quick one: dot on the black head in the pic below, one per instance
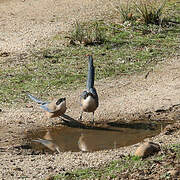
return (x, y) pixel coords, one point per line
(88, 94)
(59, 101)
(85, 94)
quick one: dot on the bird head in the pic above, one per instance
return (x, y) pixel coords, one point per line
(59, 101)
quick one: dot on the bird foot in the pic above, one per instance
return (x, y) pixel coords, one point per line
(92, 122)
(80, 118)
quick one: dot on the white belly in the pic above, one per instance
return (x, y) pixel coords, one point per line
(89, 104)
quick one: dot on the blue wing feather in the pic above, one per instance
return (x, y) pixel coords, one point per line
(37, 100)
(44, 106)
(83, 95)
(95, 95)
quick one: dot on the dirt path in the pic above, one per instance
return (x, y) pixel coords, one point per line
(24, 24)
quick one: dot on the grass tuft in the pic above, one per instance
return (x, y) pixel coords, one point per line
(91, 33)
(150, 11)
(125, 10)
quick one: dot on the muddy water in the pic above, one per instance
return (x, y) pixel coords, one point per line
(91, 139)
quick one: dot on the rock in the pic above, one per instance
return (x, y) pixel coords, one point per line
(4, 54)
(72, 42)
(172, 128)
(146, 149)
(175, 172)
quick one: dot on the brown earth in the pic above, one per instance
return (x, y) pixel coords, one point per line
(154, 94)
(23, 23)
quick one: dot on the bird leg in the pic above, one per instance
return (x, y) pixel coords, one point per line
(93, 119)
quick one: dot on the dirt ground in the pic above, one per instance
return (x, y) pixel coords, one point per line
(26, 22)
(154, 95)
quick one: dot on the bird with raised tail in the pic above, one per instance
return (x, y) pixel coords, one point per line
(52, 109)
(89, 97)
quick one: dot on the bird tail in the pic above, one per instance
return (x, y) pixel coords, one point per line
(90, 79)
(36, 100)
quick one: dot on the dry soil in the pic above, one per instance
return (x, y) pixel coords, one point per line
(25, 24)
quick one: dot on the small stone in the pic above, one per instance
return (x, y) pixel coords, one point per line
(175, 172)
(71, 42)
(129, 15)
(18, 169)
(4, 54)
(29, 105)
(146, 149)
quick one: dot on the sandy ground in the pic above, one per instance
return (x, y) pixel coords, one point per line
(25, 24)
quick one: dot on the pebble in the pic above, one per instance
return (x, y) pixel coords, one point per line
(175, 172)
(146, 149)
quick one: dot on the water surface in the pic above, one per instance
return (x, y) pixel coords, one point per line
(93, 139)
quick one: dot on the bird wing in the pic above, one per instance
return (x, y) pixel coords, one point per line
(44, 106)
(83, 96)
(95, 95)
(37, 100)
(90, 78)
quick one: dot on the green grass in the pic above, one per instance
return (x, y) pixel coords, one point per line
(176, 149)
(124, 48)
(111, 170)
(130, 166)
(157, 12)
(151, 11)
(88, 33)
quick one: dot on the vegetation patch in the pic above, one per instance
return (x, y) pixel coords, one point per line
(118, 47)
(155, 167)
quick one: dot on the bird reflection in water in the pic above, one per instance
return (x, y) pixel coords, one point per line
(82, 143)
(47, 142)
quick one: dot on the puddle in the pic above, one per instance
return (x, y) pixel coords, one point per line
(92, 139)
